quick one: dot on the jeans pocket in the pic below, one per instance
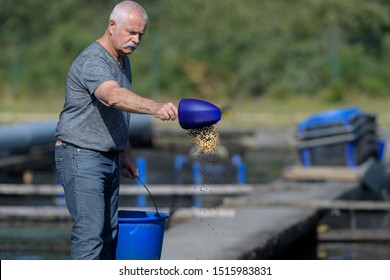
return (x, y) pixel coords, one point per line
(84, 153)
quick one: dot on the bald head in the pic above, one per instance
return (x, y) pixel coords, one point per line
(127, 25)
(127, 9)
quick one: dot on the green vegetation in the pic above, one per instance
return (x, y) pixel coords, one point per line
(286, 58)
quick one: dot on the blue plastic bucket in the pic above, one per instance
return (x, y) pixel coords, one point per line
(140, 235)
(196, 113)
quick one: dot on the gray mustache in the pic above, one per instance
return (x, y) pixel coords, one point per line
(130, 45)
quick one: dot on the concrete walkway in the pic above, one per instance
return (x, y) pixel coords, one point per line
(254, 232)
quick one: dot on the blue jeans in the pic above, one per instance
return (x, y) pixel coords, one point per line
(91, 185)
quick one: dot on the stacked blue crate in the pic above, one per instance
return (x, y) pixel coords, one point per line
(339, 137)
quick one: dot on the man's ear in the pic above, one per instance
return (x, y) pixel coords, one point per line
(111, 26)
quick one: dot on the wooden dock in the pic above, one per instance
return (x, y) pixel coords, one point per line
(310, 204)
(55, 212)
(333, 173)
(261, 227)
(165, 190)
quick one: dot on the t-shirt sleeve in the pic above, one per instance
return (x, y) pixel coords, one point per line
(94, 72)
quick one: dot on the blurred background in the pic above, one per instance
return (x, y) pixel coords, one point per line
(267, 64)
(223, 51)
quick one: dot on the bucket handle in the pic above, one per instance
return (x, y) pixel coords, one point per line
(151, 196)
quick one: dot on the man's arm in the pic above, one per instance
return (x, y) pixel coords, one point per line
(112, 95)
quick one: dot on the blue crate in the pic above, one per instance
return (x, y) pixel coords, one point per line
(343, 116)
(336, 122)
(341, 150)
(339, 137)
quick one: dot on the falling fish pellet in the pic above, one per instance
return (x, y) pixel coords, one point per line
(205, 145)
(205, 140)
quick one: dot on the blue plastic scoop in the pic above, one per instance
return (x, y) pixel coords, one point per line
(196, 113)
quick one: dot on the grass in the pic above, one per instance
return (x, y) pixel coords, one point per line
(29, 108)
(245, 114)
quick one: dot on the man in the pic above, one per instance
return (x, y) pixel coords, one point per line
(92, 148)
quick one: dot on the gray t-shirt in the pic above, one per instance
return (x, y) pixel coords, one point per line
(84, 120)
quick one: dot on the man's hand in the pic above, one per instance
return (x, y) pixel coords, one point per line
(165, 111)
(128, 164)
